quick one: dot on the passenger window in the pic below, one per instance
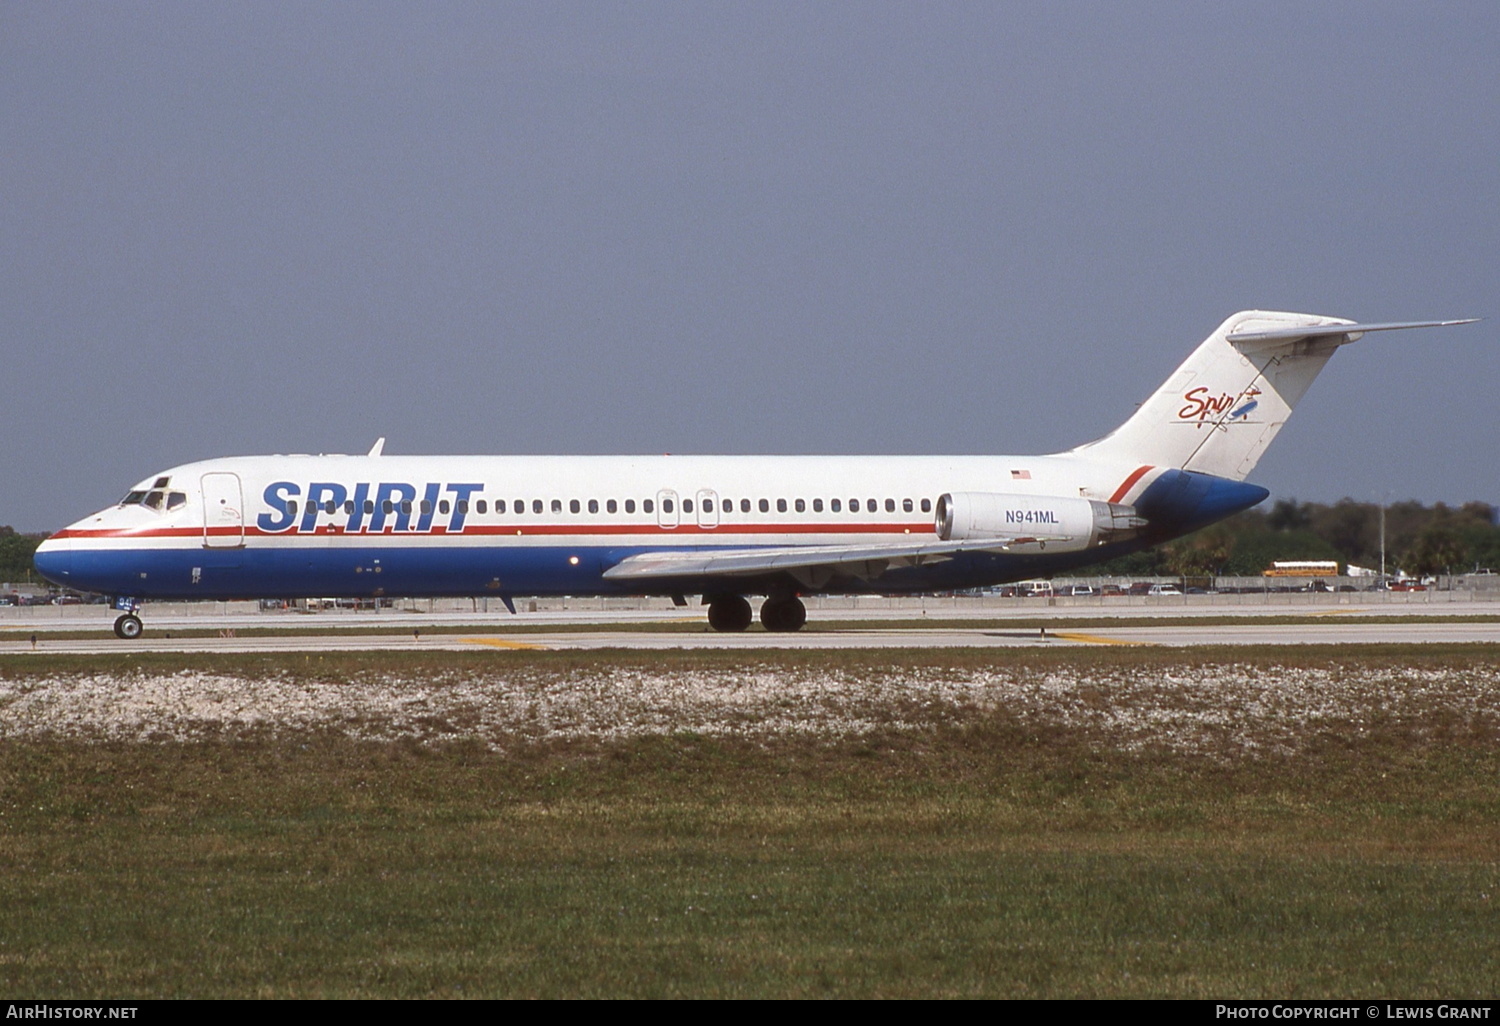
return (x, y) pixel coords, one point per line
(744, 505)
(610, 506)
(536, 505)
(853, 505)
(817, 505)
(708, 505)
(801, 506)
(406, 506)
(330, 506)
(387, 506)
(519, 506)
(481, 506)
(630, 506)
(666, 505)
(781, 505)
(835, 505)
(765, 506)
(463, 506)
(443, 507)
(573, 506)
(687, 506)
(593, 505)
(926, 505)
(890, 505)
(349, 507)
(906, 505)
(291, 506)
(647, 506)
(871, 506)
(499, 505)
(557, 505)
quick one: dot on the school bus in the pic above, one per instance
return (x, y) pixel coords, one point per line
(1302, 568)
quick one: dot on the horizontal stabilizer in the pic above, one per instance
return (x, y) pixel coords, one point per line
(1327, 330)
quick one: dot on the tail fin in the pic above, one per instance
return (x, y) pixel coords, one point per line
(1225, 404)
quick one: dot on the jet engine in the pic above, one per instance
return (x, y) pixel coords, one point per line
(1055, 523)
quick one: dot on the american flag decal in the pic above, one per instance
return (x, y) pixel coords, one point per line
(1020, 475)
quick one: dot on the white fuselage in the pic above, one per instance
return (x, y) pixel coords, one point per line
(406, 525)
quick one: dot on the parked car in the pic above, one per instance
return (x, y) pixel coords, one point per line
(1164, 589)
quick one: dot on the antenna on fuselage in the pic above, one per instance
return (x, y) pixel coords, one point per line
(379, 445)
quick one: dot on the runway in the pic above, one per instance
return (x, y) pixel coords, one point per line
(685, 629)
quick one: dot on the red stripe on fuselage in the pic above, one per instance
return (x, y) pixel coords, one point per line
(1129, 483)
(511, 531)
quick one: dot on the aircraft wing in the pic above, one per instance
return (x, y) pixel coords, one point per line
(811, 564)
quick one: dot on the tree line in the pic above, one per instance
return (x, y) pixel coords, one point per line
(15, 555)
(1419, 540)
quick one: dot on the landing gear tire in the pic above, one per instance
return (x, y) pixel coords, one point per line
(730, 613)
(783, 615)
(128, 627)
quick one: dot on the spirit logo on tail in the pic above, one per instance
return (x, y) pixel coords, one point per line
(1201, 406)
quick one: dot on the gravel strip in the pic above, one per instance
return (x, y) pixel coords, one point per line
(1208, 710)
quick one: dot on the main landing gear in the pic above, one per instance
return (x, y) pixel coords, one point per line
(783, 613)
(780, 613)
(729, 613)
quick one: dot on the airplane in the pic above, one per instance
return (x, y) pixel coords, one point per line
(721, 527)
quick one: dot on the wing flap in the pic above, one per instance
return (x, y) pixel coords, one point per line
(864, 561)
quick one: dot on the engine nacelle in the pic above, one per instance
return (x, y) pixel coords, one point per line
(1055, 523)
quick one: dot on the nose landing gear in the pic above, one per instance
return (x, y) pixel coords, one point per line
(127, 624)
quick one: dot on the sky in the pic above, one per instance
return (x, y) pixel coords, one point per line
(229, 229)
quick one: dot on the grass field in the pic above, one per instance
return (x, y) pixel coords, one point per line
(1101, 822)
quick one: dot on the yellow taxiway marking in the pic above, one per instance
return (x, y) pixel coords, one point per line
(503, 643)
(1093, 639)
(1337, 612)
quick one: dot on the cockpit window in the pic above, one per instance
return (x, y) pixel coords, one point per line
(157, 499)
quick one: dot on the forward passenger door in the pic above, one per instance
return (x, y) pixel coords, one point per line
(223, 511)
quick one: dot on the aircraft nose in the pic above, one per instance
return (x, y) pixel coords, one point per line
(54, 560)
